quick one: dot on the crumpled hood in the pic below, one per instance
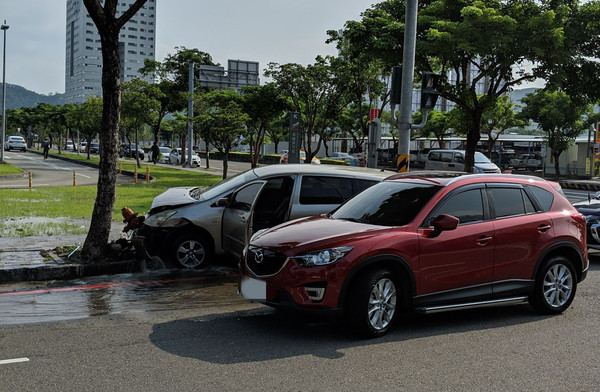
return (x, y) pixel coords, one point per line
(174, 197)
(309, 232)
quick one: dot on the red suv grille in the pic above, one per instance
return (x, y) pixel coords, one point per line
(264, 262)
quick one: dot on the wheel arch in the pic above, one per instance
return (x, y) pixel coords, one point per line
(397, 265)
(566, 249)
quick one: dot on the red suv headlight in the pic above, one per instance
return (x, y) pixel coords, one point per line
(323, 257)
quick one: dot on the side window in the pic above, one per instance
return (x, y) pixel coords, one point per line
(434, 156)
(459, 158)
(244, 198)
(325, 190)
(544, 198)
(507, 201)
(446, 157)
(361, 185)
(467, 206)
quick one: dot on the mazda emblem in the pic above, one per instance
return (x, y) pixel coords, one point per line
(258, 256)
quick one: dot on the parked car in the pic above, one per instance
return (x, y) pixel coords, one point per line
(129, 151)
(590, 209)
(69, 146)
(454, 160)
(164, 154)
(314, 160)
(15, 143)
(424, 242)
(342, 156)
(188, 226)
(421, 157)
(95, 149)
(176, 158)
(526, 161)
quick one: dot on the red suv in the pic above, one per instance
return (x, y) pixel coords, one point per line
(428, 242)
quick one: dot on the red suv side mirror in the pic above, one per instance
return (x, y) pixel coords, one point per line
(444, 222)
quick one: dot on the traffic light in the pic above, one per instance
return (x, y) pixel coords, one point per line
(429, 92)
(396, 90)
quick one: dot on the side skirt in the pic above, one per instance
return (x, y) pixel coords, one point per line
(472, 305)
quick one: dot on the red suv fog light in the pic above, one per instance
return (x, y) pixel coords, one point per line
(315, 293)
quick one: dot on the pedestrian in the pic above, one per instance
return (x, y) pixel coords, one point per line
(155, 152)
(46, 148)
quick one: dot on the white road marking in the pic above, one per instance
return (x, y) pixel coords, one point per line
(15, 360)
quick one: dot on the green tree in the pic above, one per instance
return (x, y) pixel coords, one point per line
(438, 125)
(224, 122)
(87, 119)
(314, 91)
(262, 104)
(138, 108)
(496, 119)
(109, 27)
(171, 77)
(558, 116)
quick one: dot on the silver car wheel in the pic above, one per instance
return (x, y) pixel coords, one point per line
(191, 254)
(558, 285)
(382, 304)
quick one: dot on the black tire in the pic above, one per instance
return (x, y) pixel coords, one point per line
(190, 251)
(555, 286)
(371, 307)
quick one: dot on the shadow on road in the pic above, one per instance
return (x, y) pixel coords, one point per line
(265, 334)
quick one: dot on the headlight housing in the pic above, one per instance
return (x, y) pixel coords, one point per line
(159, 218)
(323, 256)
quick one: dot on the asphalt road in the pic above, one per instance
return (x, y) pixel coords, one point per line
(232, 345)
(57, 172)
(46, 172)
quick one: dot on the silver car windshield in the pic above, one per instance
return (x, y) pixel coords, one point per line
(222, 187)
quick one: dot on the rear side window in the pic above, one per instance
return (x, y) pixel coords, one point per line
(325, 190)
(543, 197)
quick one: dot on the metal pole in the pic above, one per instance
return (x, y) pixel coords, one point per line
(190, 114)
(4, 27)
(408, 66)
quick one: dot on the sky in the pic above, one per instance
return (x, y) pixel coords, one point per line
(280, 31)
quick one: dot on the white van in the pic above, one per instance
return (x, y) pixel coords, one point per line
(454, 160)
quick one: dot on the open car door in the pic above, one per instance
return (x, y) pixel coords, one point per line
(237, 217)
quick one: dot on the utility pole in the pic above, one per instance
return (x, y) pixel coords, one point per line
(408, 66)
(4, 27)
(190, 124)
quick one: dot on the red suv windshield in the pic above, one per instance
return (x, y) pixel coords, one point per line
(388, 203)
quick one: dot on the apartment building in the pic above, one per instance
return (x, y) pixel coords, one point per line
(83, 60)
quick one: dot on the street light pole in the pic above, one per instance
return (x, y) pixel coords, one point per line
(4, 27)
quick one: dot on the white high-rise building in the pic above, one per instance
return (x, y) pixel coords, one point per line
(83, 60)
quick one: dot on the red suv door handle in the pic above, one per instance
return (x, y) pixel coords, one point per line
(484, 239)
(544, 228)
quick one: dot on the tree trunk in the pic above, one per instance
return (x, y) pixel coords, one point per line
(99, 232)
(473, 138)
(225, 163)
(556, 163)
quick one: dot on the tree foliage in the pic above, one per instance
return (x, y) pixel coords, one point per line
(558, 116)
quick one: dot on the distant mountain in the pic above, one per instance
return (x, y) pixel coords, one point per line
(18, 97)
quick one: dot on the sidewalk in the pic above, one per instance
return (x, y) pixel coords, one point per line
(34, 258)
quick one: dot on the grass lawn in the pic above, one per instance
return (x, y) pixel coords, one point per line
(53, 203)
(6, 168)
